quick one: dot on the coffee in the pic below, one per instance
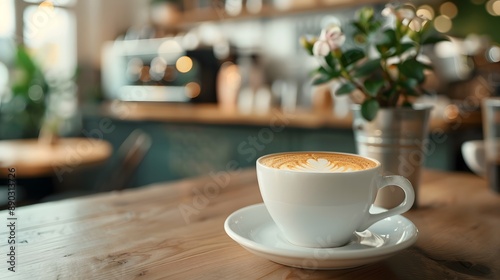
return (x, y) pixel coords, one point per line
(317, 162)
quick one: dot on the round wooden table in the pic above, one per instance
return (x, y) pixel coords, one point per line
(32, 158)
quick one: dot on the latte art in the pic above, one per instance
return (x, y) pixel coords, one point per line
(322, 165)
(317, 162)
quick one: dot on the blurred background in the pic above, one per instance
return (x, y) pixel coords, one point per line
(175, 89)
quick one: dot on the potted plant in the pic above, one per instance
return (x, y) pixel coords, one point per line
(384, 72)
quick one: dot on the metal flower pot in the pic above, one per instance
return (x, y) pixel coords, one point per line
(396, 138)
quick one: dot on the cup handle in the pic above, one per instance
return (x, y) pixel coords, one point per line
(394, 180)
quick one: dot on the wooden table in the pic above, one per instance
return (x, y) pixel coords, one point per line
(32, 158)
(143, 234)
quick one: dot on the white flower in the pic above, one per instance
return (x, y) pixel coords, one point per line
(392, 68)
(321, 48)
(417, 23)
(405, 13)
(401, 13)
(389, 10)
(333, 36)
(330, 39)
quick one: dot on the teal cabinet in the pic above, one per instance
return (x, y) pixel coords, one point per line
(181, 150)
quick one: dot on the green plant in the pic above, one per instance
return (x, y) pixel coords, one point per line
(22, 112)
(385, 66)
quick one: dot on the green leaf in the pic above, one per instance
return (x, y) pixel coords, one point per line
(409, 87)
(409, 83)
(331, 73)
(405, 47)
(411, 68)
(373, 86)
(367, 68)
(374, 26)
(359, 27)
(323, 71)
(346, 88)
(331, 61)
(412, 92)
(388, 38)
(433, 39)
(29, 74)
(389, 93)
(369, 109)
(427, 66)
(386, 51)
(366, 14)
(321, 79)
(428, 26)
(386, 43)
(351, 57)
(407, 104)
(24, 60)
(324, 75)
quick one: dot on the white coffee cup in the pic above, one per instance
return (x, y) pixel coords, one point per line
(474, 156)
(323, 198)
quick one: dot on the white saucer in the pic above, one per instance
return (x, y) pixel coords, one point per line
(253, 228)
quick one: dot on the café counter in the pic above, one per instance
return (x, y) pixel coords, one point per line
(176, 231)
(300, 118)
(205, 136)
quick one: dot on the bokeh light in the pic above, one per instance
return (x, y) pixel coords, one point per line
(493, 7)
(233, 72)
(254, 6)
(47, 4)
(193, 89)
(7, 18)
(134, 67)
(35, 93)
(145, 77)
(448, 9)
(451, 112)
(446, 49)
(170, 74)
(4, 77)
(442, 23)
(233, 7)
(184, 64)
(170, 46)
(158, 66)
(425, 11)
(496, 7)
(57, 2)
(493, 54)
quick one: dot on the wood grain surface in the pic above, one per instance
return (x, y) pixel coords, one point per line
(175, 231)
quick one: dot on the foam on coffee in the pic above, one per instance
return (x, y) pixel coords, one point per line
(317, 162)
